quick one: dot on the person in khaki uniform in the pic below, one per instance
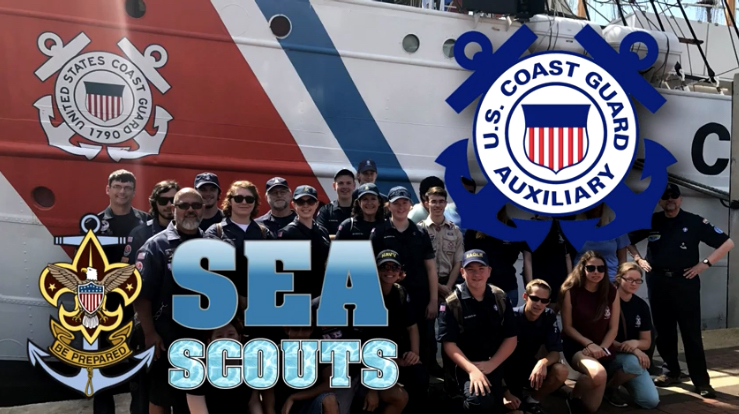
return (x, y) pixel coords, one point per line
(448, 242)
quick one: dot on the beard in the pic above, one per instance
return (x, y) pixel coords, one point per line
(190, 223)
(279, 205)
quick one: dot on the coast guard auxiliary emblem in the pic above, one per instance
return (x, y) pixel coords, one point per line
(556, 135)
(90, 279)
(103, 98)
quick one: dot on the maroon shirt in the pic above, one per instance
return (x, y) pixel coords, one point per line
(584, 308)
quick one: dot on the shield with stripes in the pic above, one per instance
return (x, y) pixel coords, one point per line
(556, 135)
(104, 101)
(90, 296)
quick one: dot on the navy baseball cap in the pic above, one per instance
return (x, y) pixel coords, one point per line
(305, 190)
(344, 171)
(475, 256)
(367, 188)
(206, 178)
(388, 256)
(276, 182)
(397, 193)
(366, 165)
(672, 189)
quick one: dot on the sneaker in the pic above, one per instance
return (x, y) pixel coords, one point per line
(531, 408)
(613, 396)
(665, 380)
(705, 391)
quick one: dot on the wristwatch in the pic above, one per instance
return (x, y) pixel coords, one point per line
(706, 262)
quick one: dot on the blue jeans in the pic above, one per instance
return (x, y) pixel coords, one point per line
(513, 297)
(641, 388)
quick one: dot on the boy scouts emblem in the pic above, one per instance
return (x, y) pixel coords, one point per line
(90, 278)
(555, 133)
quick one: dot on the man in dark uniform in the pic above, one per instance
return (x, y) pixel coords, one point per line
(118, 219)
(334, 213)
(304, 228)
(673, 263)
(278, 198)
(154, 304)
(161, 201)
(551, 261)
(480, 337)
(367, 173)
(210, 189)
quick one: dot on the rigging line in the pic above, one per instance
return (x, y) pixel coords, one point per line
(682, 34)
(621, 12)
(596, 10)
(661, 26)
(731, 35)
(711, 73)
(733, 22)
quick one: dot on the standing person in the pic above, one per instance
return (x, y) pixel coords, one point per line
(420, 211)
(154, 303)
(673, 264)
(590, 316)
(240, 207)
(367, 174)
(366, 214)
(413, 244)
(210, 189)
(478, 335)
(527, 368)
(551, 261)
(630, 367)
(613, 250)
(118, 220)
(502, 254)
(304, 227)
(333, 214)
(278, 195)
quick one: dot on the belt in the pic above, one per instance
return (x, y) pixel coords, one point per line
(668, 272)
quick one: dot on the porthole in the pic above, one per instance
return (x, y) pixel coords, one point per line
(135, 8)
(43, 197)
(448, 48)
(280, 26)
(411, 43)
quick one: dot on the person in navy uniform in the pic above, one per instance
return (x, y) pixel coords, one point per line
(487, 339)
(118, 220)
(367, 212)
(673, 264)
(278, 197)
(210, 189)
(333, 214)
(154, 303)
(367, 174)
(304, 227)
(540, 373)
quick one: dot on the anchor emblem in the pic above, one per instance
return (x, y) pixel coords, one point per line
(90, 278)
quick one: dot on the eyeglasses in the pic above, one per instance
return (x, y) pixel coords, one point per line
(593, 268)
(241, 199)
(163, 201)
(670, 196)
(633, 281)
(390, 267)
(303, 201)
(118, 187)
(186, 206)
(538, 299)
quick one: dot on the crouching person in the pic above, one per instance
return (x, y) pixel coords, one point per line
(208, 399)
(477, 329)
(631, 365)
(318, 399)
(526, 368)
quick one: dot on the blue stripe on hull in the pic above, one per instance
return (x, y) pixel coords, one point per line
(329, 83)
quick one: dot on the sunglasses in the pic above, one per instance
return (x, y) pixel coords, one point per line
(670, 196)
(633, 281)
(241, 199)
(390, 267)
(163, 201)
(302, 201)
(538, 299)
(593, 268)
(186, 206)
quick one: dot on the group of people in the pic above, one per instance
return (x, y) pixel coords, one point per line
(441, 285)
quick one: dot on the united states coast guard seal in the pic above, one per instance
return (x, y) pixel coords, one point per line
(555, 133)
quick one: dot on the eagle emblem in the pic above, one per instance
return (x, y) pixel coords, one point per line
(90, 293)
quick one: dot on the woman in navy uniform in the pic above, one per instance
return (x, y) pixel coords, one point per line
(367, 212)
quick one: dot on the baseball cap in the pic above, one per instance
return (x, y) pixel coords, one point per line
(276, 182)
(305, 190)
(672, 189)
(388, 256)
(344, 171)
(206, 178)
(366, 165)
(397, 193)
(475, 256)
(367, 188)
